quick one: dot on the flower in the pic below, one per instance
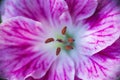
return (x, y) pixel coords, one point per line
(60, 40)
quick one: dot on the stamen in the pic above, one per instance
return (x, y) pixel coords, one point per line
(58, 51)
(70, 40)
(64, 30)
(60, 40)
(49, 40)
(68, 47)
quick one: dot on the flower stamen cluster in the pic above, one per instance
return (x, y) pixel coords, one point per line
(67, 43)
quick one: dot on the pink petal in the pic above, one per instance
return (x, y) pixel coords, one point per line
(46, 11)
(102, 31)
(97, 67)
(104, 9)
(31, 78)
(62, 69)
(76, 78)
(98, 40)
(81, 9)
(22, 49)
(112, 51)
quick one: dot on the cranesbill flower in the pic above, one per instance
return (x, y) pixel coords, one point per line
(60, 40)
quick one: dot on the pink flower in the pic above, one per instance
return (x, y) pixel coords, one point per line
(60, 40)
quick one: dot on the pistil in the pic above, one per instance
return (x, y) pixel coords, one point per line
(60, 40)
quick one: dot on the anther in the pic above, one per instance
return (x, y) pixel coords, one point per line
(70, 40)
(64, 30)
(58, 51)
(49, 40)
(60, 40)
(68, 47)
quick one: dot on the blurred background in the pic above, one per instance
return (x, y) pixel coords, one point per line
(0, 9)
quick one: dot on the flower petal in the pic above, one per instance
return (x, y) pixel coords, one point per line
(97, 67)
(81, 9)
(102, 32)
(62, 69)
(21, 52)
(52, 11)
(76, 78)
(112, 51)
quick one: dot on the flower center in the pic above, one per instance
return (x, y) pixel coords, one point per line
(67, 42)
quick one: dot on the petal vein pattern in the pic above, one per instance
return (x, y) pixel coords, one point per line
(21, 49)
(103, 30)
(60, 40)
(98, 67)
(49, 12)
(62, 69)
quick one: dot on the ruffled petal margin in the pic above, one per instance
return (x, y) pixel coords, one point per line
(81, 9)
(52, 12)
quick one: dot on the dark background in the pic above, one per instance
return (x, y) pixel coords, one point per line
(0, 22)
(0, 9)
